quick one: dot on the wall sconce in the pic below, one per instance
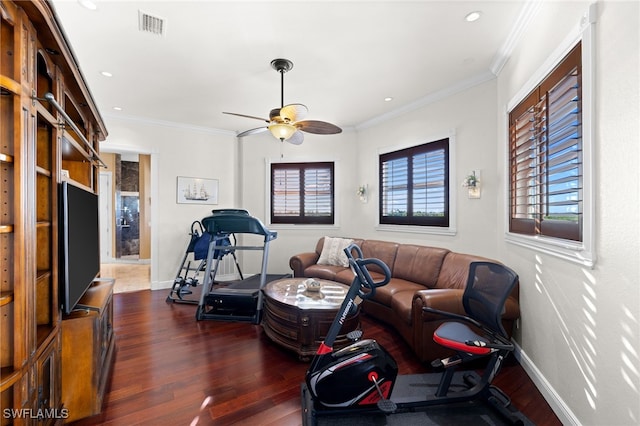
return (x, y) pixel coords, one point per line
(472, 183)
(363, 193)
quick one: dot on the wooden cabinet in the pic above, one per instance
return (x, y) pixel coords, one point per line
(41, 93)
(87, 351)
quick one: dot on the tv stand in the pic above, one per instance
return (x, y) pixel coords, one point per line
(88, 347)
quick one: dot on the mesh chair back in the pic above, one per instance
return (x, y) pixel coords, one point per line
(488, 286)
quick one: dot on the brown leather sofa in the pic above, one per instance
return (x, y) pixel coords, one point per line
(421, 276)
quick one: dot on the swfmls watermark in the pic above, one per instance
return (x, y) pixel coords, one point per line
(40, 414)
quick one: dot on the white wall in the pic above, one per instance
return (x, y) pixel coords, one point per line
(579, 326)
(176, 151)
(468, 118)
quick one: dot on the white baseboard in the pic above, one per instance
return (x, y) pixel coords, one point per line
(565, 415)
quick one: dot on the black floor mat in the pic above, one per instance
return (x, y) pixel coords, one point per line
(463, 413)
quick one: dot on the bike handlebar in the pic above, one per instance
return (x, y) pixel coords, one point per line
(359, 267)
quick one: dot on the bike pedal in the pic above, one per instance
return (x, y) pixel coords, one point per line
(354, 335)
(387, 406)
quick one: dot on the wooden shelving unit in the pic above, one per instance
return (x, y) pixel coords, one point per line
(41, 93)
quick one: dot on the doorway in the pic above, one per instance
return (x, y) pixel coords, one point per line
(125, 220)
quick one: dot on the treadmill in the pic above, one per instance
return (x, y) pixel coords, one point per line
(238, 300)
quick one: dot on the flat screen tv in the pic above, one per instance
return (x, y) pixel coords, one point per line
(79, 243)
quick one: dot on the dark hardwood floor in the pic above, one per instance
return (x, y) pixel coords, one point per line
(173, 370)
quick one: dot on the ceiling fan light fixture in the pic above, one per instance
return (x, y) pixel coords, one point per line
(282, 131)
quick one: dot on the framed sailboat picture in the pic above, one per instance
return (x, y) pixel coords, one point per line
(192, 190)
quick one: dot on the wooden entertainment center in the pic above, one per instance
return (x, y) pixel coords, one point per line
(50, 130)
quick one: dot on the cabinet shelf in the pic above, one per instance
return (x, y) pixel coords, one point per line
(8, 378)
(72, 150)
(44, 112)
(6, 158)
(9, 85)
(42, 274)
(43, 172)
(6, 229)
(6, 297)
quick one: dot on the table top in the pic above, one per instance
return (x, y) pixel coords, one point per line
(293, 291)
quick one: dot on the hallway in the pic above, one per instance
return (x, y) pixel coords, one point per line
(128, 276)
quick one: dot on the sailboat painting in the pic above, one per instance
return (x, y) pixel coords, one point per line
(197, 190)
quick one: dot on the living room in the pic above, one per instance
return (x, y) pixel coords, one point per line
(577, 337)
(568, 310)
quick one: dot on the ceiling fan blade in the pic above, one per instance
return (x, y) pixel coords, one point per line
(318, 127)
(252, 132)
(247, 116)
(293, 112)
(297, 138)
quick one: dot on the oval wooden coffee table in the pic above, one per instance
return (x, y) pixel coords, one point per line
(299, 319)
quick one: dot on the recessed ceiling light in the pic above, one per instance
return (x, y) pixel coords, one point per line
(106, 73)
(88, 4)
(388, 99)
(473, 16)
(117, 108)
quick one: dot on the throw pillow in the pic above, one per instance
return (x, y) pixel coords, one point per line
(333, 251)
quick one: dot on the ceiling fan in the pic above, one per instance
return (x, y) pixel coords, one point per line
(287, 122)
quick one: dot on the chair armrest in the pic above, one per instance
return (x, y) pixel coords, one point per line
(440, 299)
(299, 262)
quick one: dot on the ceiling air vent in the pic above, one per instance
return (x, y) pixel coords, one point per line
(151, 24)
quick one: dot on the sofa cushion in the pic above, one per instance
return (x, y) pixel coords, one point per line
(325, 272)
(383, 250)
(333, 251)
(455, 270)
(402, 305)
(345, 276)
(420, 264)
(385, 294)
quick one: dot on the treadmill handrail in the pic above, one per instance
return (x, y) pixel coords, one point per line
(234, 222)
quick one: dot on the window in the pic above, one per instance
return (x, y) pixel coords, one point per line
(302, 193)
(414, 185)
(545, 155)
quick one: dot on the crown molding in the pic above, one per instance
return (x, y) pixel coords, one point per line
(429, 99)
(527, 13)
(171, 124)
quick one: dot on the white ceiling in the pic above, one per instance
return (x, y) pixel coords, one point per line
(348, 56)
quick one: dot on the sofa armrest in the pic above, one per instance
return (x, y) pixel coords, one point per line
(442, 299)
(299, 262)
(450, 300)
(511, 309)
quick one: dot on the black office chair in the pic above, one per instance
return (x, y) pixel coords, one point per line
(479, 333)
(488, 287)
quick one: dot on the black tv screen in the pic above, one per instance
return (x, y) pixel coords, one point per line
(79, 242)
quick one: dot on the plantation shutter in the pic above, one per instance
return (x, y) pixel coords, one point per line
(414, 185)
(286, 192)
(546, 156)
(302, 193)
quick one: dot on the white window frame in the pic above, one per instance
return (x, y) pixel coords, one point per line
(582, 253)
(451, 230)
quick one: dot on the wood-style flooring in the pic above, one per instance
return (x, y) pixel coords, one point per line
(170, 369)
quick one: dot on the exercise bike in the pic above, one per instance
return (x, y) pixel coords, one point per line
(363, 379)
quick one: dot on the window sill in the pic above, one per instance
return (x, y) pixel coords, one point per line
(299, 226)
(567, 250)
(418, 229)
